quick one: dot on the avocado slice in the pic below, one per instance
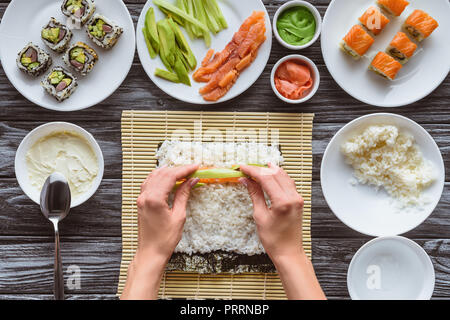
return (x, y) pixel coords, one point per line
(51, 34)
(170, 76)
(183, 44)
(167, 41)
(56, 77)
(181, 72)
(25, 61)
(152, 30)
(68, 81)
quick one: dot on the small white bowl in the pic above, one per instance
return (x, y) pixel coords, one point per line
(362, 207)
(391, 268)
(41, 132)
(297, 3)
(314, 72)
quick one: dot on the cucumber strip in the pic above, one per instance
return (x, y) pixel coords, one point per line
(151, 51)
(173, 16)
(201, 14)
(152, 32)
(219, 15)
(191, 11)
(211, 17)
(170, 7)
(187, 25)
(217, 174)
(164, 74)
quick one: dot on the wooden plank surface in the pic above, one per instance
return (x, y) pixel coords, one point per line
(92, 233)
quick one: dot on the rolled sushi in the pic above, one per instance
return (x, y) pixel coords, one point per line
(420, 25)
(33, 60)
(394, 7)
(386, 66)
(374, 20)
(80, 11)
(60, 83)
(56, 35)
(401, 48)
(81, 58)
(356, 42)
(103, 32)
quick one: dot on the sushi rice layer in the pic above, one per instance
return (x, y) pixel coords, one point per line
(219, 216)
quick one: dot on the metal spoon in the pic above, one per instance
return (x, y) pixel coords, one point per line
(55, 205)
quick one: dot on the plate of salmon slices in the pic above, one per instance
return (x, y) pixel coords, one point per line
(234, 60)
(387, 53)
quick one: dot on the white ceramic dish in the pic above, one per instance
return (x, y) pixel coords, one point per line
(418, 78)
(361, 207)
(235, 12)
(315, 75)
(391, 268)
(23, 21)
(296, 3)
(41, 132)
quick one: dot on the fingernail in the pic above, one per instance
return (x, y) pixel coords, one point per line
(244, 181)
(193, 182)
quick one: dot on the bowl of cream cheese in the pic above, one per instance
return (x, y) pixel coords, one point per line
(60, 147)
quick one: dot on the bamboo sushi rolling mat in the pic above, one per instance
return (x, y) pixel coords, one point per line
(143, 131)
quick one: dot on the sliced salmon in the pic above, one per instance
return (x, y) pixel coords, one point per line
(421, 22)
(208, 57)
(222, 70)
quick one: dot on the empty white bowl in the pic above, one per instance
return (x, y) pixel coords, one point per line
(391, 268)
(35, 135)
(314, 73)
(297, 3)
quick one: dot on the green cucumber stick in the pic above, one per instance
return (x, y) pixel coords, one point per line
(219, 15)
(211, 17)
(217, 174)
(170, 7)
(170, 76)
(151, 51)
(167, 40)
(175, 17)
(190, 7)
(187, 26)
(201, 14)
(152, 32)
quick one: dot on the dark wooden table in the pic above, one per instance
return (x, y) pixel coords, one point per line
(91, 235)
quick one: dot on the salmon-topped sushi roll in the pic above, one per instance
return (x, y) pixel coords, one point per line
(401, 48)
(374, 20)
(356, 42)
(394, 7)
(420, 25)
(386, 66)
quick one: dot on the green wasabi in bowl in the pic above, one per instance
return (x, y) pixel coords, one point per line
(296, 26)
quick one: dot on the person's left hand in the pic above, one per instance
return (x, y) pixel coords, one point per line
(161, 227)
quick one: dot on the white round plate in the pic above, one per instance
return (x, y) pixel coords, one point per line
(21, 168)
(235, 12)
(23, 21)
(391, 268)
(361, 207)
(423, 73)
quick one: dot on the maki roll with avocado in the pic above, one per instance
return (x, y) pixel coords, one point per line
(81, 58)
(33, 60)
(56, 36)
(103, 31)
(79, 10)
(60, 83)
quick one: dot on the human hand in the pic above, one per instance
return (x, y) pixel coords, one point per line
(280, 226)
(161, 227)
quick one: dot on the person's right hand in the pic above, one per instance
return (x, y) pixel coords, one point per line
(280, 226)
